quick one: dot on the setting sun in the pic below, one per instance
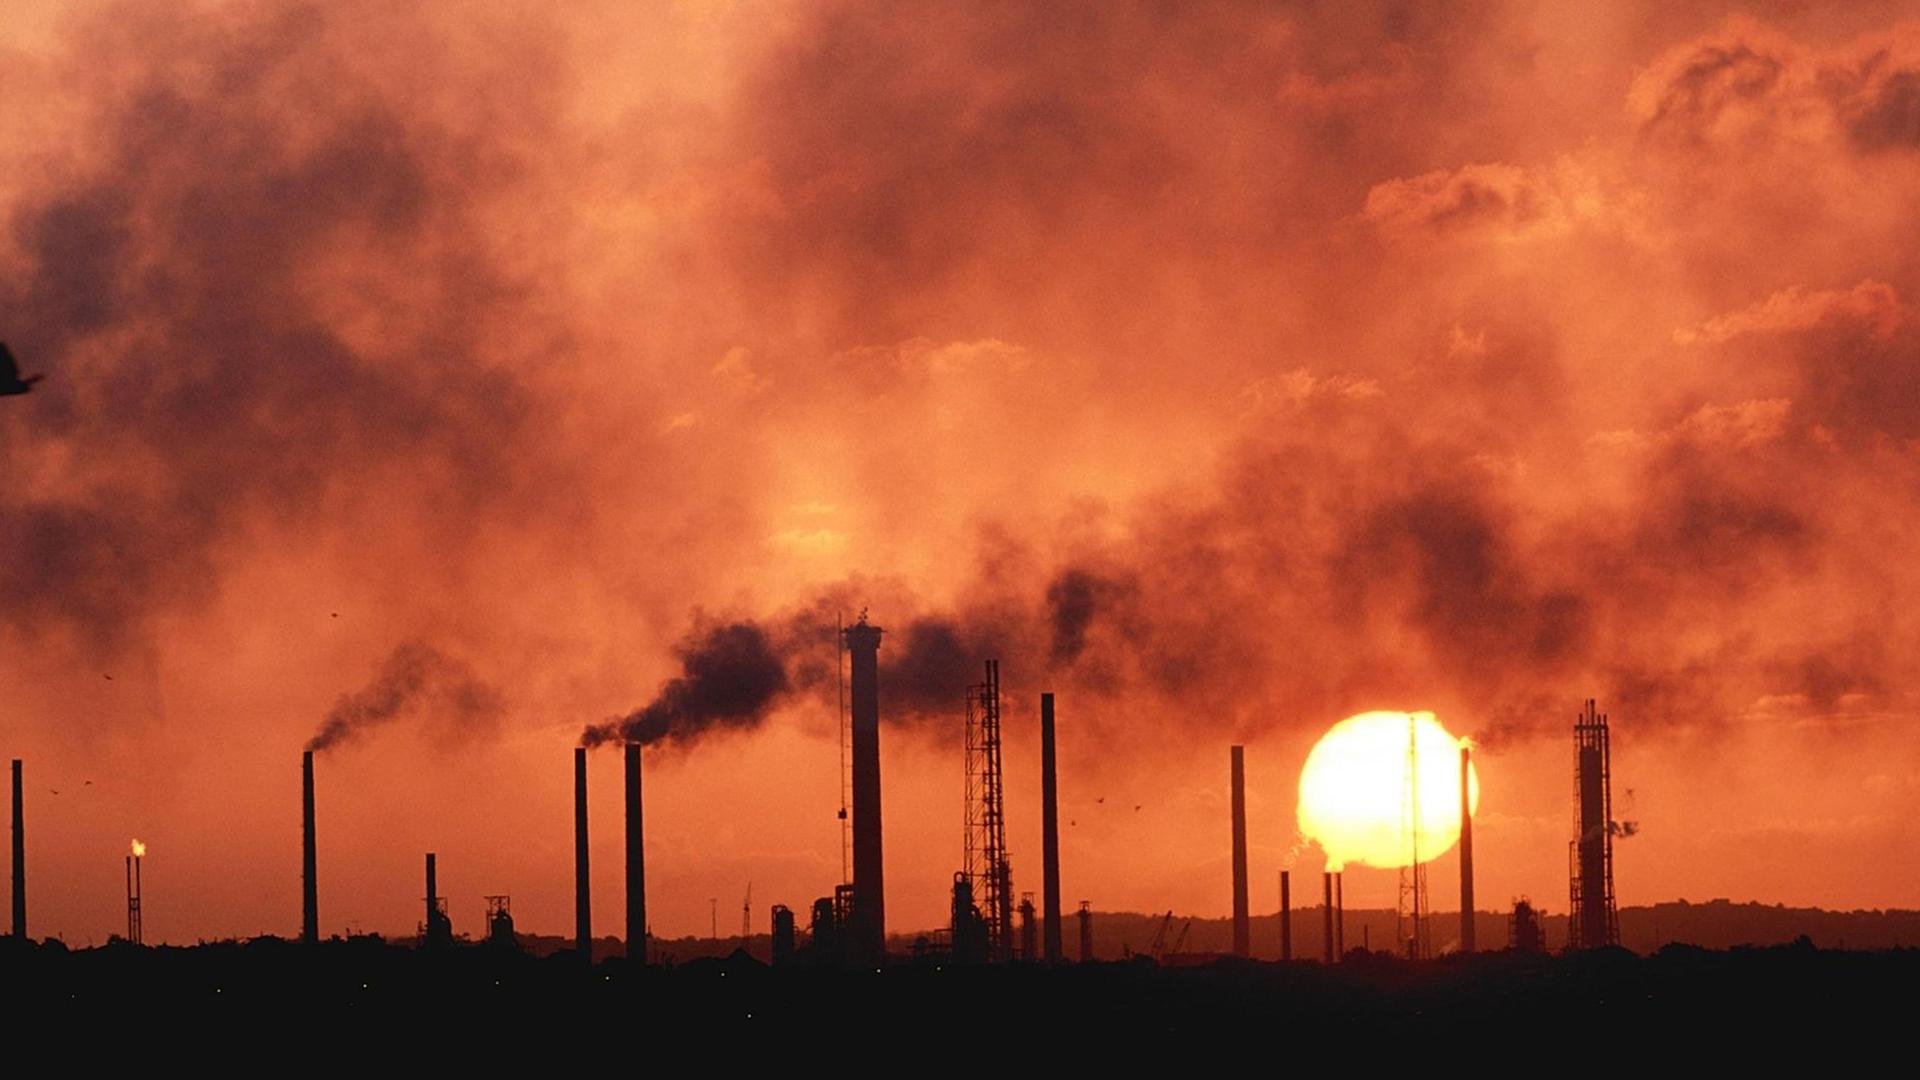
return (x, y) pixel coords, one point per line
(1354, 790)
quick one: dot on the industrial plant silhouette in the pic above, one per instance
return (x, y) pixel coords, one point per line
(1335, 973)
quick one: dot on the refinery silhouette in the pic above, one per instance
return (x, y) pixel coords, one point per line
(1534, 974)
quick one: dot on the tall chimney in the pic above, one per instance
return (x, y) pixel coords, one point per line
(637, 863)
(1242, 936)
(1086, 932)
(1326, 883)
(1049, 834)
(309, 886)
(1466, 857)
(1286, 915)
(19, 859)
(433, 904)
(582, 883)
(1340, 915)
(869, 887)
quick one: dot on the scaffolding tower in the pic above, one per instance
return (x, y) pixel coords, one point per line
(1593, 921)
(986, 829)
(1410, 914)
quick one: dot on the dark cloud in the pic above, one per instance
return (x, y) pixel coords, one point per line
(180, 276)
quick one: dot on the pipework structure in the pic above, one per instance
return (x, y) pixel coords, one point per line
(986, 864)
(134, 932)
(1410, 919)
(1593, 921)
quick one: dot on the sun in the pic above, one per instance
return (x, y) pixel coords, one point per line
(1354, 794)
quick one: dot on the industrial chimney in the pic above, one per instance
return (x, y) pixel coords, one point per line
(1466, 856)
(1086, 931)
(582, 883)
(1340, 915)
(1591, 912)
(1242, 936)
(869, 931)
(1286, 915)
(1049, 833)
(637, 863)
(1326, 883)
(19, 859)
(309, 887)
(432, 934)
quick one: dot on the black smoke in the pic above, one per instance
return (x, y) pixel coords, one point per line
(416, 679)
(731, 676)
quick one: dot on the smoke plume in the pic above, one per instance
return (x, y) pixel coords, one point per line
(415, 680)
(730, 676)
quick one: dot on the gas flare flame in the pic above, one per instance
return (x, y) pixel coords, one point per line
(139, 849)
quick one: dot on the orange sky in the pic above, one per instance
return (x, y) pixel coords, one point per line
(1226, 369)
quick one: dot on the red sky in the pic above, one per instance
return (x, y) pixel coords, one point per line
(1225, 368)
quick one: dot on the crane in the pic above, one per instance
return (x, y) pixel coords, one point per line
(1180, 943)
(1159, 943)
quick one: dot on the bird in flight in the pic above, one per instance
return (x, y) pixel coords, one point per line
(10, 381)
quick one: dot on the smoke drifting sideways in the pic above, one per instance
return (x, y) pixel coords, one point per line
(730, 677)
(735, 674)
(416, 680)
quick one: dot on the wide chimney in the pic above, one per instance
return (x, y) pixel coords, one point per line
(309, 886)
(636, 863)
(432, 937)
(1242, 934)
(1466, 857)
(582, 882)
(869, 885)
(19, 859)
(1049, 834)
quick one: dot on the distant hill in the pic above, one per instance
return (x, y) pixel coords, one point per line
(1716, 924)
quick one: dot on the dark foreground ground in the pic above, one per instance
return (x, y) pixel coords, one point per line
(368, 997)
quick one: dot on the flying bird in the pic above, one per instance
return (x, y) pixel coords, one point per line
(1101, 799)
(1137, 806)
(10, 381)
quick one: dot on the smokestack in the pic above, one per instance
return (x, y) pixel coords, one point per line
(637, 863)
(1466, 858)
(1086, 932)
(869, 886)
(1326, 883)
(433, 904)
(1340, 915)
(582, 883)
(310, 888)
(1049, 833)
(19, 859)
(1286, 915)
(1242, 938)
